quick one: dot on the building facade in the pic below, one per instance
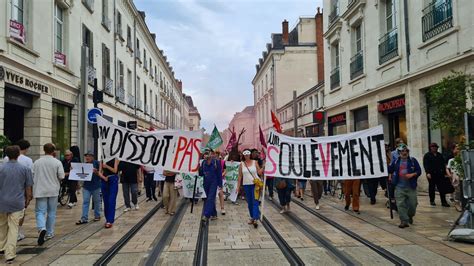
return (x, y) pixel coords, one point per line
(383, 56)
(290, 63)
(41, 60)
(242, 120)
(194, 121)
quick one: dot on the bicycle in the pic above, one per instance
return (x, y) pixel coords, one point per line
(63, 197)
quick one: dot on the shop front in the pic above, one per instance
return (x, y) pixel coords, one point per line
(361, 118)
(337, 124)
(394, 110)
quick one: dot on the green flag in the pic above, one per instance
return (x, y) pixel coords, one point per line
(215, 140)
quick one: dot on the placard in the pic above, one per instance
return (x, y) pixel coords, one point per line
(81, 171)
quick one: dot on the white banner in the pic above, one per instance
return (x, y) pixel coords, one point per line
(229, 185)
(355, 155)
(188, 186)
(81, 171)
(173, 150)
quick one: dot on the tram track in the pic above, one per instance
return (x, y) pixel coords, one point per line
(396, 260)
(200, 254)
(316, 237)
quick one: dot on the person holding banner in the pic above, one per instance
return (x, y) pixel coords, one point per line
(404, 173)
(150, 184)
(249, 170)
(170, 194)
(91, 189)
(284, 188)
(130, 176)
(221, 189)
(211, 170)
(352, 189)
(109, 187)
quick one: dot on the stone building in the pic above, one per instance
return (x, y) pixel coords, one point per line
(40, 77)
(383, 56)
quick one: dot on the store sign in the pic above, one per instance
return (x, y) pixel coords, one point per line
(17, 31)
(60, 58)
(390, 105)
(337, 118)
(23, 82)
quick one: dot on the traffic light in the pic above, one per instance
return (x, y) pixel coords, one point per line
(97, 96)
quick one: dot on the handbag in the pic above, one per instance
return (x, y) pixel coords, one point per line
(258, 184)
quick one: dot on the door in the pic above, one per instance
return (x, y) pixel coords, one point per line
(14, 122)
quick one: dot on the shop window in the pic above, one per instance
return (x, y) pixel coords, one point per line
(61, 129)
(444, 138)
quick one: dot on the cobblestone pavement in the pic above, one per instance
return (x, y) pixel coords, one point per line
(232, 241)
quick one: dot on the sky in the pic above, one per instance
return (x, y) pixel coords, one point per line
(213, 46)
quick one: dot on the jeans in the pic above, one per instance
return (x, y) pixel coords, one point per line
(406, 203)
(373, 186)
(86, 194)
(109, 193)
(150, 186)
(269, 184)
(128, 188)
(210, 204)
(9, 226)
(284, 195)
(436, 181)
(46, 206)
(252, 203)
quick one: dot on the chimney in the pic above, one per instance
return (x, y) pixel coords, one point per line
(153, 35)
(284, 29)
(319, 45)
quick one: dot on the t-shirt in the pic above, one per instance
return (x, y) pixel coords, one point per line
(129, 172)
(106, 171)
(48, 171)
(14, 179)
(95, 181)
(402, 171)
(170, 179)
(23, 160)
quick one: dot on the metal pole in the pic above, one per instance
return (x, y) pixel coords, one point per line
(82, 112)
(194, 193)
(94, 126)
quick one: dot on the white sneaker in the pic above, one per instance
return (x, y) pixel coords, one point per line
(21, 236)
(317, 207)
(137, 208)
(48, 237)
(126, 210)
(70, 205)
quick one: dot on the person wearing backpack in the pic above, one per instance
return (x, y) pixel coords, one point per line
(211, 171)
(404, 173)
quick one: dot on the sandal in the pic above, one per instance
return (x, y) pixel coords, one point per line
(81, 222)
(108, 225)
(250, 221)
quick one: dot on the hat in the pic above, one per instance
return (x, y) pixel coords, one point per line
(434, 145)
(91, 153)
(402, 147)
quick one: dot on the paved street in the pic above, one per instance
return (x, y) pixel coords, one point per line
(232, 241)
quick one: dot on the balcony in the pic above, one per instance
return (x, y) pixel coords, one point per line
(120, 94)
(131, 100)
(437, 17)
(357, 65)
(388, 46)
(107, 85)
(334, 14)
(335, 78)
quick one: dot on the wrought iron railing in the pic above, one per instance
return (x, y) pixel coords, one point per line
(131, 100)
(334, 14)
(388, 46)
(357, 65)
(335, 78)
(120, 95)
(437, 17)
(107, 85)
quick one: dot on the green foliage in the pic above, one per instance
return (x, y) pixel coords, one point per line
(449, 98)
(4, 142)
(458, 163)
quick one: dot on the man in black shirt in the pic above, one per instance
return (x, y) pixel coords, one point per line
(130, 176)
(435, 169)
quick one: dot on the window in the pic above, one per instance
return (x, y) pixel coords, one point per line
(87, 40)
(150, 65)
(156, 75)
(357, 39)
(129, 81)
(316, 101)
(18, 11)
(129, 37)
(58, 28)
(121, 75)
(105, 61)
(335, 77)
(144, 94)
(119, 25)
(61, 128)
(144, 59)
(311, 103)
(105, 14)
(357, 63)
(266, 82)
(301, 108)
(361, 119)
(389, 15)
(437, 17)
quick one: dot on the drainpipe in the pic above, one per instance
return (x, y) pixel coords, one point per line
(407, 34)
(115, 51)
(135, 62)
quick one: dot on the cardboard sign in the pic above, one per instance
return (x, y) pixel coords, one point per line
(81, 171)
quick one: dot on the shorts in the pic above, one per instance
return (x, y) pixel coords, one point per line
(302, 184)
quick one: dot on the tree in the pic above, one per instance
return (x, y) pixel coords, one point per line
(450, 97)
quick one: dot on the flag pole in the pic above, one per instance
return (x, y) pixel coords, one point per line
(263, 195)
